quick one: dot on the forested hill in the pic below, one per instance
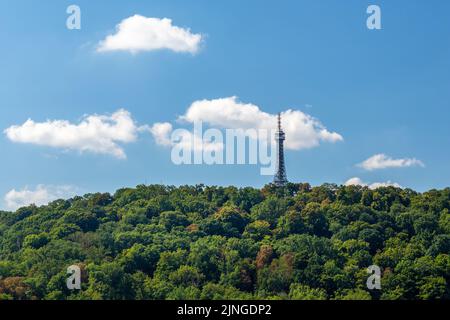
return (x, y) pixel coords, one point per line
(197, 242)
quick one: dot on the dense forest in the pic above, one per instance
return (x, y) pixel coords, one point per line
(200, 242)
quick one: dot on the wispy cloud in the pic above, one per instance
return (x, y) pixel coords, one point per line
(100, 134)
(382, 161)
(138, 33)
(41, 195)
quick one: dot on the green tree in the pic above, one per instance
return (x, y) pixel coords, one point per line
(303, 292)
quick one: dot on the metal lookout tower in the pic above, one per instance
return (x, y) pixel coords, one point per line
(280, 178)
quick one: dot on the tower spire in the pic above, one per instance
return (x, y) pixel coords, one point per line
(280, 178)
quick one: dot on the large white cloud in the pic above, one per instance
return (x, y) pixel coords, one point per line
(382, 161)
(302, 130)
(95, 133)
(358, 182)
(41, 195)
(138, 33)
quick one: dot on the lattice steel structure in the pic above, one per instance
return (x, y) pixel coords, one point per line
(280, 178)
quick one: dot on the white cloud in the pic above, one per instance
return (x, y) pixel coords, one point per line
(382, 161)
(376, 185)
(358, 182)
(41, 195)
(138, 33)
(302, 130)
(354, 182)
(161, 132)
(95, 133)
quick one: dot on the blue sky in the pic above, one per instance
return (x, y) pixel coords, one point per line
(384, 91)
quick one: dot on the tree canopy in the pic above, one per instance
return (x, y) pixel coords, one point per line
(207, 242)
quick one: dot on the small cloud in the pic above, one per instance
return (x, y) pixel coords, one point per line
(41, 195)
(354, 182)
(358, 182)
(138, 33)
(161, 132)
(382, 161)
(99, 134)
